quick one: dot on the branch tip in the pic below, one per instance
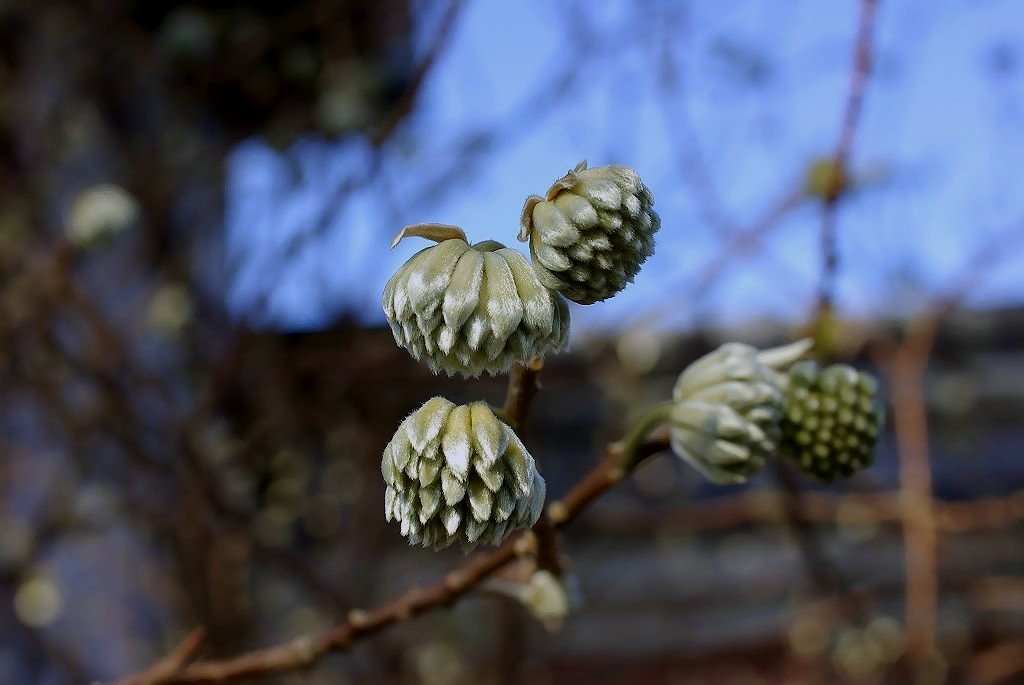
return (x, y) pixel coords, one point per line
(558, 513)
(357, 618)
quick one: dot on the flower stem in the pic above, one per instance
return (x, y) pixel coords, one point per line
(641, 429)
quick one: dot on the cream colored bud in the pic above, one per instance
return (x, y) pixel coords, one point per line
(472, 309)
(591, 232)
(548, 597)
(459, 474)
(727, 409)
(100, 213)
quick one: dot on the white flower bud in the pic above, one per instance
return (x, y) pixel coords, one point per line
(459, 474)
(727, 409)
(591, 232)
(545, 595)
(472, 309)
(99, 214)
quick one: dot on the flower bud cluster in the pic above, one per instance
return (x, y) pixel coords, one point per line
(459, 474)
(736, 406)
(726, 410)
(592, 231)
(471, 309)
(831, 421)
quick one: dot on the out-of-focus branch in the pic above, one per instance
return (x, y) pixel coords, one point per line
(905, 365)
(825, 576)
(305, 650)
(523, 385)
(819, 508)
(822, 573)
(910, 423)
(109, 361)
(441, 39)
(837, 177)
(998, 664)
(172, 664)
(737, 244)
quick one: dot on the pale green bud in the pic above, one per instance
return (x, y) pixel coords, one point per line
(548, 597)
(472, 309)
(727, 407)
(591, 232)
(831, 421)
(99, 214)
(459, 474)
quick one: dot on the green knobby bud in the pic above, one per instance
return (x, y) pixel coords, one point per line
(472, 309)
(726, 409)
(456, 473)
(832, 420)
(591, 232)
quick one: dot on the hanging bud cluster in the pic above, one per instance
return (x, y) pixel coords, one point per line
(831, 421)
(727, 405)
(591, 232)
(471, 309)
(459, 474)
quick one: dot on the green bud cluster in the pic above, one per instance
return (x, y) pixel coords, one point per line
(831, 421)
(459, 474)
(727, 405)
(591, 232)
(473, 309)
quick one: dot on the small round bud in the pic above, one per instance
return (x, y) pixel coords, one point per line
(472, 309)
(727, 406)
(831, 421)
(99, 214)
(459, 474)
(591, 232)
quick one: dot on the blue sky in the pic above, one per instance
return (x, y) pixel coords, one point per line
(753, 90)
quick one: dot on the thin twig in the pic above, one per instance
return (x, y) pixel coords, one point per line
(998, 664)
(863, 50)
(906, 366)
(911, 426)
(738, 243)
(523, 384)
(819, 508)
(172, 664)
(618, 459)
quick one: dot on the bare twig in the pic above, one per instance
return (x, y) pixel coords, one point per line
(738, 243)
(906, 366)
(838, 176)
(172, 664)
(822, 573)
(618, 460)
(911, 426)
(523, 385)
(819, 508)
(998, 664)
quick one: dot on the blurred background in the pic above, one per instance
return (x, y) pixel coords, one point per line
(196, 380)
